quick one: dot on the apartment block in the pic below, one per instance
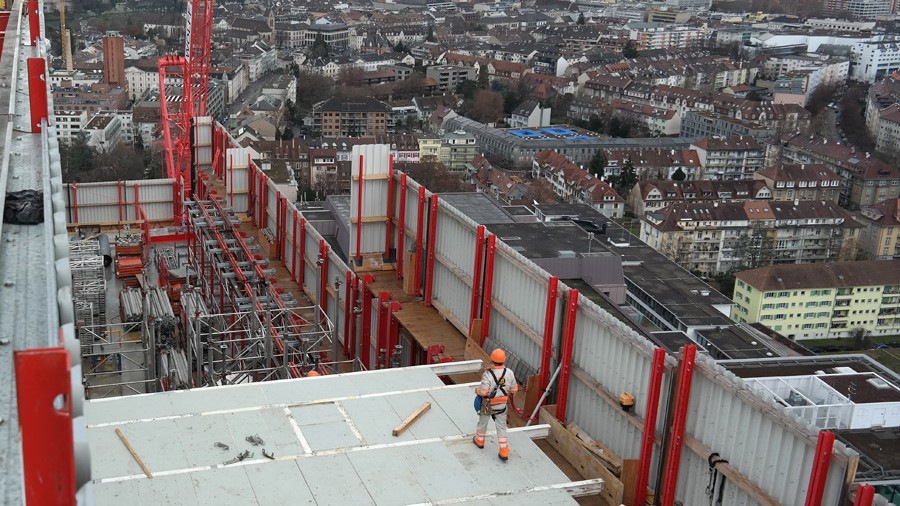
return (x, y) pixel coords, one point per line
(881, 235)
(830, 300)
(448, 76)
(730, 158)
(812, 181)
(357, 117)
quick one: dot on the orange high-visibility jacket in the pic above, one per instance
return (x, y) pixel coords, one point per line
(489, 387)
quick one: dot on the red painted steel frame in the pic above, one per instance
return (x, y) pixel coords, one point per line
(487, 302)
(476, 276)
(381, 343)
(656, 376)
(37, 92)
(121, 199)
(48, 459)
(359, 212)
(682, 399)
(565, 369)
(34, 22)
(390, 209)
(549, 324)
(348, 309)
(432, 239)
(302, 274)
(198, 51)
(75, 201)
(865, 495)
(354, 297)
(176, 123)
(294, 249)
(819, 475)
(420, 230)
(401, 226)
(393, 330)
(365, 327)
(323, 277)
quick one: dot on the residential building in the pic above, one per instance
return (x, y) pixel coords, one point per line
(355, 117)
(335, 34)
(652, 196)
(664, 35)
(730, 158)
(657, 121)
(812, 181)
(69, 124)
(874, 59)
(259, 58)
(729, 236)
(654, 163)
(458, 148)
(404, 147)
(881, 236)
(104, 132)
(429, 148)
(142, 76)
(825, 300)
(449, 76)
(91, 99)
(887, 135)
(696, 123)
(867, 180)
(294, 153)
(530, 114)
(114, 59)
(573, 184)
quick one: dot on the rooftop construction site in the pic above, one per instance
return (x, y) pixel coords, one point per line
(207, 340)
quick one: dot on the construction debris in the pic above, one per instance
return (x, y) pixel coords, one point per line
(255, 440)
(133, 453)
(223, 446)
(270, 456)
(244, 455)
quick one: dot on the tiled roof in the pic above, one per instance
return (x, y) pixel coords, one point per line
(823, 275)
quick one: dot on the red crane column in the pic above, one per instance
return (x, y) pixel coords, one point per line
(348, 310)
(565, 365)
(819, 475)
(487, 302)
(549, 324)
(676, 435)
(354, 296)
(323, 277)
(656, 376)
(476, 277)
(301, 276)
(432, 239)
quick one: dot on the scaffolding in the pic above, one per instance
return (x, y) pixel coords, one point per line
(119, 360)
(88, 287)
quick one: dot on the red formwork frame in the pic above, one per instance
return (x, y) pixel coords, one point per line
(549, 324)
(48, 458)
(75, 202)
(34, 22)
(420, 230)
(301, 275)
(283, 245)
(487, 303)
(348, 309)
(294, 249)
(121, 200)
(565, 364)
(432, 239)
(277, 224)
(354, 296)
(819, 474)
(381, 341)
(679, 420)
(37, 92)
(390, 209)
(393, 329)
(476, 276)
(657, 369)
(865, 495)
(401, 226)
(365, 327)
(359, 211)
(323, 276)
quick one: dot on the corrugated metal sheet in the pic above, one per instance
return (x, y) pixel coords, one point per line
(271, 204)
(108, 202)
(375, 168)
(236, 162)
(203, 132)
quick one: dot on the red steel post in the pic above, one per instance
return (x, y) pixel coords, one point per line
(432, 239)
(381, 342)
(656, 375)
(420, 230)
(549, 325)
(393, 331)
(119, 188)
(48, 459)
(323, 276)
(34, 22)
(819, 475)
(865, 495)
(75, 202)
(37, 92)
(565, 369)
(301, 279)
(284, 216)
(487, 303)
(365, 339)
(348, 310)
(359, 212)
(277, 223)
(294, 249)
(676, 436)
(401, 226)
(390, 209)
(354, 296)
(476, 276)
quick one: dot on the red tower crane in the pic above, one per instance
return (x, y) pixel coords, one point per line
(177, 112)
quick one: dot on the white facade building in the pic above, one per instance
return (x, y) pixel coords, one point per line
(874, 59)
(69, 123)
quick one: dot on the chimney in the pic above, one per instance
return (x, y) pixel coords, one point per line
(796, 202)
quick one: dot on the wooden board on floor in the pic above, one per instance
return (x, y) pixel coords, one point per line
(428, 328)
(580, 458)
(630, 470)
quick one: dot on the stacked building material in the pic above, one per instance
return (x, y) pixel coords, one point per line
(88, 285)
(131, 305)
(129, 245)
(129, 264)
(172, 276)
(159, 309)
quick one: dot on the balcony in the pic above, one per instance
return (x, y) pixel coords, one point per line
(840, 313)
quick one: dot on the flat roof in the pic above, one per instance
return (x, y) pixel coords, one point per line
(805, 366)
(478, 207)
(330, 441)
(548, 239)
(735, 343)
(879, 452)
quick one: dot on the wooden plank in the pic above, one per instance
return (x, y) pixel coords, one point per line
(475, 331)
(532, 393)
(370, 219)
(411, 419)
(409, 276)
(133, 453)
(630, 469)
(609, 457)
(581, 459)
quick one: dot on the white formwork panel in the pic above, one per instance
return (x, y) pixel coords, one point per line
(288, 257)
(237, 162)
(337, 269)
(375, 169)
(411, 214)
(271, 204)
(454, 255)
(112, 201)
(203, 140)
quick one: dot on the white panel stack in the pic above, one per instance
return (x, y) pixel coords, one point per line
(237, 162)
(375, 169)
(203, 134)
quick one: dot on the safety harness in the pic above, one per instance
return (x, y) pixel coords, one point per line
(499, 384)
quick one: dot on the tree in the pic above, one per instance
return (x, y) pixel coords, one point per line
(430, 37)
(312, 88)
(77, 158)
(320, 48)
(541, 192)
(580, 18)
(598, 164)
(401, 48)
(487, 107)
(617, 127)
(626, 179)
(434, 176)
(679, 175)
(484, 80)
(467, 89)
(630, 50)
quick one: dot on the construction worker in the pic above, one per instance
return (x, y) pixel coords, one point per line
(312, 374)
(497, 384)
